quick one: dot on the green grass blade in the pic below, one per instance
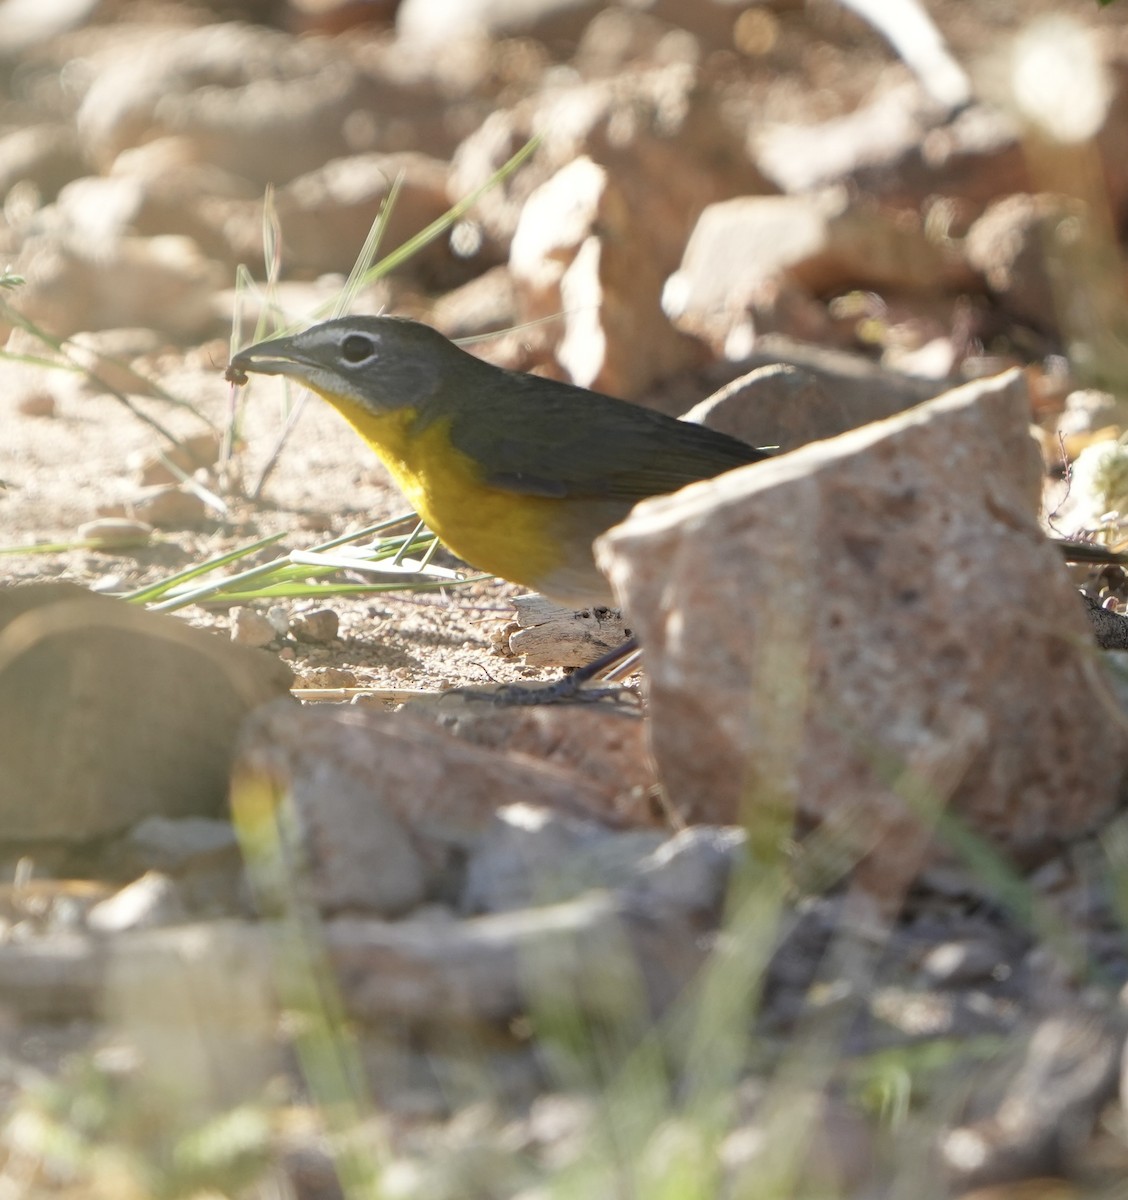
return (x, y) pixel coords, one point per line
(369, 250)
(441, 224)
(153, 590)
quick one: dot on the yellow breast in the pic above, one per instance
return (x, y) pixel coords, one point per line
(501, 532)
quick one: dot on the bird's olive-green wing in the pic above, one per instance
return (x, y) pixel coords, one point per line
(541, 437)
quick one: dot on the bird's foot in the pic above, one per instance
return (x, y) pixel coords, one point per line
(571, 688)
(560, 691)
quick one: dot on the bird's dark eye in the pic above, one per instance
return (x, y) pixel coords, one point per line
(356, 348)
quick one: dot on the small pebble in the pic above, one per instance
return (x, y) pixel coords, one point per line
(328, 677)
(111, 533)
(189, 456)
(175, 844)
(168, 507)
(279, 616)
(39, 403)
(109, 583)
(961, 962)
(318, 626)
(146, 903)
(106, 354)
(251, 628)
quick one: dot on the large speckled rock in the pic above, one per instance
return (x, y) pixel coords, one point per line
(869, 622)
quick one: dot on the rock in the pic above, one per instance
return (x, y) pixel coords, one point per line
(779, 692)
(197, 1005)
(606, 748)
(533, 857)
(780, 406)
(326, 214)
(163, 283)
(57, 978)
(425, 973)
(612, 963)
(647, 152)
(350, 852)
(788, 406)
(175, 845)
(265, 106)
(250, 628)
(200, 451)
(935, 359)
(384, 802)
(581, 250)
(23, 27)
(554, 222)
(689, 874)
(167, 507)
(109, 714)
(177, 199)
(201, 854)
(1043, 1125)
(36, 402)
(821, 243)
(483, 305)
(958, 963)
(43, 157)
(328, 678)
(105, 358)
(146, 903)
(619, 39)
(530, 856)
(596, 39)
(318, 626)
(1008, 247)
(335, 17)
(858, 391)
(279, 617)
(32, 908)
(903, 148)
(430, 23)
(258, 103)
(625, 39)
(160, 188)
(115, 533)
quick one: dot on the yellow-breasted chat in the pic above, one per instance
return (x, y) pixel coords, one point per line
(516, 474)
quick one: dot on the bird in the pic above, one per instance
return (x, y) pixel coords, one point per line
(516, 474)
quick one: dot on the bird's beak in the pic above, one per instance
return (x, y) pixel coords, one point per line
(274, 357)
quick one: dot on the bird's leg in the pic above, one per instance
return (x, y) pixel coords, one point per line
(569, 687)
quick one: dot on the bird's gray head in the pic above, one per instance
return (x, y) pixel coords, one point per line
(378, 363)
